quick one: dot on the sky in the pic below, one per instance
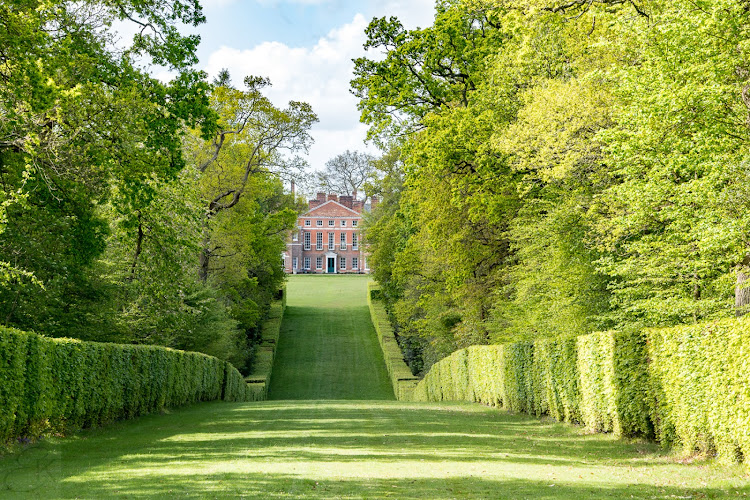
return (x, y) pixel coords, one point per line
(306, 48)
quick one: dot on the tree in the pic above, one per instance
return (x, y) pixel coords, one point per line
(423, 70)
(79, 122)
(347, 173)
(253, 139)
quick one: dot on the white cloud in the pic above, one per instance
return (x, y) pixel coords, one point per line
(299, 2)
(411, 13)
(318, 75)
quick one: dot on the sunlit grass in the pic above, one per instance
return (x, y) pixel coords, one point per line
(328, 348)
(354, 450)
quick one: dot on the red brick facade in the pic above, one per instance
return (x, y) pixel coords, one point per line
(327, 239)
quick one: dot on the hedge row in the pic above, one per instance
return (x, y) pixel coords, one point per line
(700, 386)
(260, 378)
(686, 386)
(55, 385)
(402, 379)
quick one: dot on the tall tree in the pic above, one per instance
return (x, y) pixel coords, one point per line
(347, 173)
(78, 120)
(423, 70)
(254, 138)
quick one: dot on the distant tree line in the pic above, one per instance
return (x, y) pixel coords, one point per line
(559, 167)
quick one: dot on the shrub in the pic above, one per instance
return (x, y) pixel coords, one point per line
(700, 392)
(63, 384)
(555, 363)
(260, 377)
(402, 380)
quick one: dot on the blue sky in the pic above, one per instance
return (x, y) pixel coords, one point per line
(305, 47)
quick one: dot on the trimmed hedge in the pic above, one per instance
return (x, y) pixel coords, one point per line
(402, 380)
(260, 378)
(700, 387)
(687, 386)
(54, 385)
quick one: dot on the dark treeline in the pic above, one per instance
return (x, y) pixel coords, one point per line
(134, 210)
(556, 168)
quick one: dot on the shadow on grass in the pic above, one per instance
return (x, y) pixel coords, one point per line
(257, 485)
(350, 450)
(329, 352)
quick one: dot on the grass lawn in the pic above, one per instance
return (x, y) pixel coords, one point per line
(328, 348)
(352, 449)
(338, 448)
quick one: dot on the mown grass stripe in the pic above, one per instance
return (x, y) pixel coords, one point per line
(328, 348)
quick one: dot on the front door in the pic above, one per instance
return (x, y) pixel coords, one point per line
(331, 265)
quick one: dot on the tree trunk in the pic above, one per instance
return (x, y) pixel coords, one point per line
(205, 258)
(138, 248)
(741, 295)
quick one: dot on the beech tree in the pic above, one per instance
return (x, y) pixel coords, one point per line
(78, 122)
(585, 169)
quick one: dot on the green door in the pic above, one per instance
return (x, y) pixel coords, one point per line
(331, 265)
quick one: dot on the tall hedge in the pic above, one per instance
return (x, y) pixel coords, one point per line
(260, 378)
(700, 386)
(63, 384)
(687, 386)
(402, 380)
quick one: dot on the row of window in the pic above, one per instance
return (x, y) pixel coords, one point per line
(319, 263)
(331, 244)
(331, 222)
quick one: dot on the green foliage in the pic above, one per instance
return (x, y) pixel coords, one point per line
(586, 171)
(402, 379)
(260, 376)
(614, 383)
(599, 380)
(685, 385)
(106, 194)
(423, 69)
(56, 385)
(699, 392)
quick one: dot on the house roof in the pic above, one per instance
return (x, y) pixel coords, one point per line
(331, 209)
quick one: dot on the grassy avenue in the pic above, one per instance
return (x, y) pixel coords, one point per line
(333, 430)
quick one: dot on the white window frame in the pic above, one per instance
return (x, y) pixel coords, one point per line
(318, 262)
(307, 223)
(355, 241)
(343, 223)
(319, 240)
(331, 222)
(355, 263)
(307, 240)
(294, 262)
(354, 223)
(342, 262)
(307, 263)
(342, 241)
(319, 223)
(331, 244)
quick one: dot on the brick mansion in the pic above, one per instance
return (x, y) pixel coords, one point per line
(327, 238)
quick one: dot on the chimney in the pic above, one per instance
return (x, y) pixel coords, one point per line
(314, 203)
(354, 193)
(321, 197)
(357, 206)
(333, 197)
(347, 201)
(373, 202)
(293, 188)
